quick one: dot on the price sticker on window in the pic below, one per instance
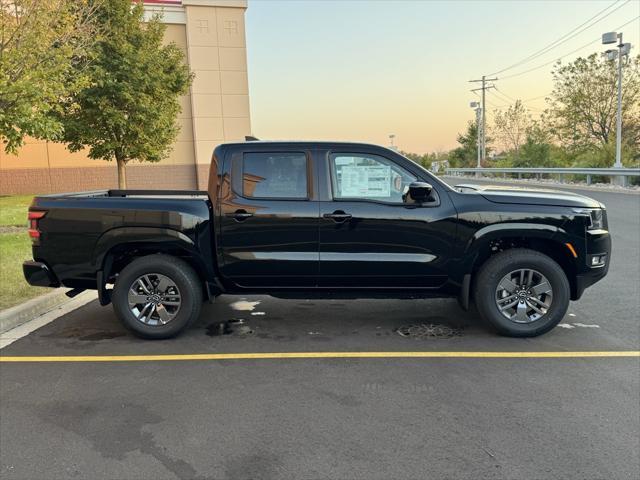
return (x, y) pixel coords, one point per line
(365, 181)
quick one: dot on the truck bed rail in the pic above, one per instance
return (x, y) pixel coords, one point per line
(163, 193)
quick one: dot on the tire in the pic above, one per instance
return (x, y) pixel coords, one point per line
(169, 285)
(491, 288)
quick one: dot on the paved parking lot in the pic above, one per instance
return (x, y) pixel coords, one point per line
(457, 417)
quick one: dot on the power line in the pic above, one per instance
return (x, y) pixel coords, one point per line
(502, 98)
(506, 96)
(566, 54)
(535, 98)
(576, 31)
(509, 102)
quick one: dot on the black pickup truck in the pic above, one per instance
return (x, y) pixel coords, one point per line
(321, 219)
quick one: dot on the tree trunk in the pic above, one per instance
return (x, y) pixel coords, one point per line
(122, 174)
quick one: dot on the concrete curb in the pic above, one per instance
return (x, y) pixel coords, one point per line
(14, 316)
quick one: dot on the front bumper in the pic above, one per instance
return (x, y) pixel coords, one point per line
(584, 280)
(598, 244)
(39, 275)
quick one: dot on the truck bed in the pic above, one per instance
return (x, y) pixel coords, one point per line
(80, 231)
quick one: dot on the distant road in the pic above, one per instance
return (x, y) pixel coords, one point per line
(453, 180)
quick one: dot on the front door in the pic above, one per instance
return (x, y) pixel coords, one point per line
(269, 220)
(371, 238)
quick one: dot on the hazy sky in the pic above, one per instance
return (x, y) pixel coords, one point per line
(360, 70)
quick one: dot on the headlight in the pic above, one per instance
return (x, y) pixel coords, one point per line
(596, 217)
(597, 220)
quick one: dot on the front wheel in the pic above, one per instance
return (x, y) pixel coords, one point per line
(522, 293)
(157, 296)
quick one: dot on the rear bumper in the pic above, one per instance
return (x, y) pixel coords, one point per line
(39, 275)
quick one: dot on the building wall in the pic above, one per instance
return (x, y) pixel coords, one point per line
(211, 34)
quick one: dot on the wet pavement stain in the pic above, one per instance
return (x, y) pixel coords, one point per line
(269, 336)
(234, 326)
(87, 334)
(129, 423)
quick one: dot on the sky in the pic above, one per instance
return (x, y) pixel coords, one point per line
(361, 70)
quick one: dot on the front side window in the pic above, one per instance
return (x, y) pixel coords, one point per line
(368, 177)
(274, 175)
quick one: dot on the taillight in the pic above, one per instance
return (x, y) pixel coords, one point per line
(34, 217)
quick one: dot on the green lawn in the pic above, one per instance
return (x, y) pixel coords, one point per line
(15, 247)
(13, 210)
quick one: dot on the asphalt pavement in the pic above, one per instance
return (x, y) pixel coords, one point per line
(339, 418)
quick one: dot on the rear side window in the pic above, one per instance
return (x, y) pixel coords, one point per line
(274, 175)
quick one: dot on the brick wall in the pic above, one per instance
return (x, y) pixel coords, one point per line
(58, 180)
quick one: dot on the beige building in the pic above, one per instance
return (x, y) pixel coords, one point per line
(216, 110)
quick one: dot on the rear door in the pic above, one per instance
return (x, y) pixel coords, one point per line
(269, 219)
(369, 236)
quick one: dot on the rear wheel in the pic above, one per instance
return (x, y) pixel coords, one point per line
(522, 293)
(157, 296)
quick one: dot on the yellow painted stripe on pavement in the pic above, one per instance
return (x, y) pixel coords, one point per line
(298, 355)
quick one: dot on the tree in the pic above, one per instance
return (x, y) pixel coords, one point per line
(537, 149)
(511, 125)
(583, 103)
(38, 42)
(466, 155)
(129, 110)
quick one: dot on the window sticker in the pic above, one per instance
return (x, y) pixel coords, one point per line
(345, 160)
(365, 181)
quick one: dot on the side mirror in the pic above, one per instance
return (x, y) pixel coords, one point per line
(419, 192)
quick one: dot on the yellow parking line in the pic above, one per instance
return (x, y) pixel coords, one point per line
(294, 355)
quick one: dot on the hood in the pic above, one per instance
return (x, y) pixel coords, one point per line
(530, 196)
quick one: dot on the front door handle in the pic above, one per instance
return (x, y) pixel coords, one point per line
(338, 216)
(239, 215)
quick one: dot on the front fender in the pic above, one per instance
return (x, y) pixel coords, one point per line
(484, 236)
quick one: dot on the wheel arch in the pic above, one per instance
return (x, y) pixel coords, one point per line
(118, 247)
(546, 239)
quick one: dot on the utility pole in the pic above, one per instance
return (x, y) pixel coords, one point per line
(484, 88)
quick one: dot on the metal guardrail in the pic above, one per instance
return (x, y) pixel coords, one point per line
(622, 173)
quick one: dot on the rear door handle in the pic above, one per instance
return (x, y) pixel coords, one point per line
(338, 216)
(239, 215)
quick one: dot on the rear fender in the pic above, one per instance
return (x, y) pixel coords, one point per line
(146, 240)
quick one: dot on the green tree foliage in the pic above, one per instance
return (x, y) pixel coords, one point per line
(538, 149)
(129, 110)
(466, 155)
(511, 127)
(38, 42)
(426, 160)
(583, 104)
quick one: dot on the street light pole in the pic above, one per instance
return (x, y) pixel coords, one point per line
(479, 112)
(623, 49)
(618, 163)
(478, 109)
(484, 121)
